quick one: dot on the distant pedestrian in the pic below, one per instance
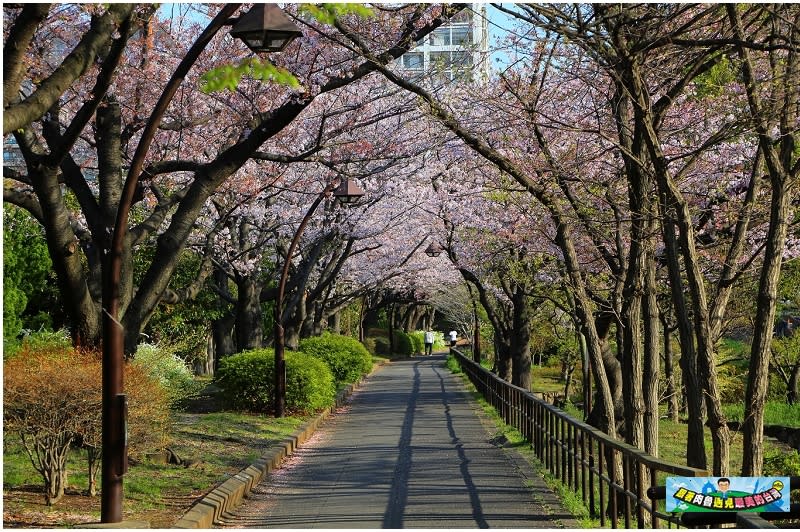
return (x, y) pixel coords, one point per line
(429, 342)
(453, 337)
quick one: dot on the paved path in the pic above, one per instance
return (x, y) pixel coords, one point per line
(409, 451)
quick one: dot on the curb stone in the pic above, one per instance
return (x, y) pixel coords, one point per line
(228, 495)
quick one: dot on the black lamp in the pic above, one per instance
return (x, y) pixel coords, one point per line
(348, 191)
(265, 28)
(433, 250)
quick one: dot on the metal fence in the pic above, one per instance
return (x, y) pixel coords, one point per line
(611, 476)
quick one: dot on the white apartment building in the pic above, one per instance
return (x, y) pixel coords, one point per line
(458, 50)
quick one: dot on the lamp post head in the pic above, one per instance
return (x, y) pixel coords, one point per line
(433, 250)
(265, 28)
(348, 191)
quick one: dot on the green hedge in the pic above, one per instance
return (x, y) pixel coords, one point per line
(346, 357)
(247, 381)
(403, 344)
(417, 341)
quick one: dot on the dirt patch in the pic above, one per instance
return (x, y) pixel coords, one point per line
(24, 507)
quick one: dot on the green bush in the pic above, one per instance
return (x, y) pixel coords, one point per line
(369, 344)
(417, 341)
(37, 341)
(309, 383)
(403, 344)
(382, 346)
(346, 357)
(247, 381)
(170, 370)
(782, 463)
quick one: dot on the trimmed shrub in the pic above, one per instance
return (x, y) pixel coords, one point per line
(247, 381)
(346, 357)
(53, 401)
(369, 343)
(170, 371)
(309, 384)
(382, 345)
(417, 341)
(403, 344)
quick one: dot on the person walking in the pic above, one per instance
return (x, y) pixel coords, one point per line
(453, 337)
(429, 342)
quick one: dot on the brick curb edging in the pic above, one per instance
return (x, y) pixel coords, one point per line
(228, 495)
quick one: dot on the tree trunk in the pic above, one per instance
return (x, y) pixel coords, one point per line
(335, 322)
(760, 353)
(632, 361)
(695, 438)
(502, 357)
(390, 315)
(62, 244)
(414, 315)
(205, 365)
(476, 333)
(520, 341)
(586, 377)
(361, 315)
(633, 286)
(222, 338)
(652, 357)
(57, 481)
(669, 376)
(792, 386)
(93, 459)
(249, 332)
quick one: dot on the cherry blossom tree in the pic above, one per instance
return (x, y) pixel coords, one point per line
(644, 111)
(204, 141)
(774, 108)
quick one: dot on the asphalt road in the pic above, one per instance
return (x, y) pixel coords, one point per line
(409, 451)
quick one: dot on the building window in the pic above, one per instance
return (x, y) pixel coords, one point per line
(413, 60)
(440, 37)
(461, 59)
(462, 35)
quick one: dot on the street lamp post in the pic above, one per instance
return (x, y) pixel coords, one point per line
(347, 192)
(114, 402)
(265, 28)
